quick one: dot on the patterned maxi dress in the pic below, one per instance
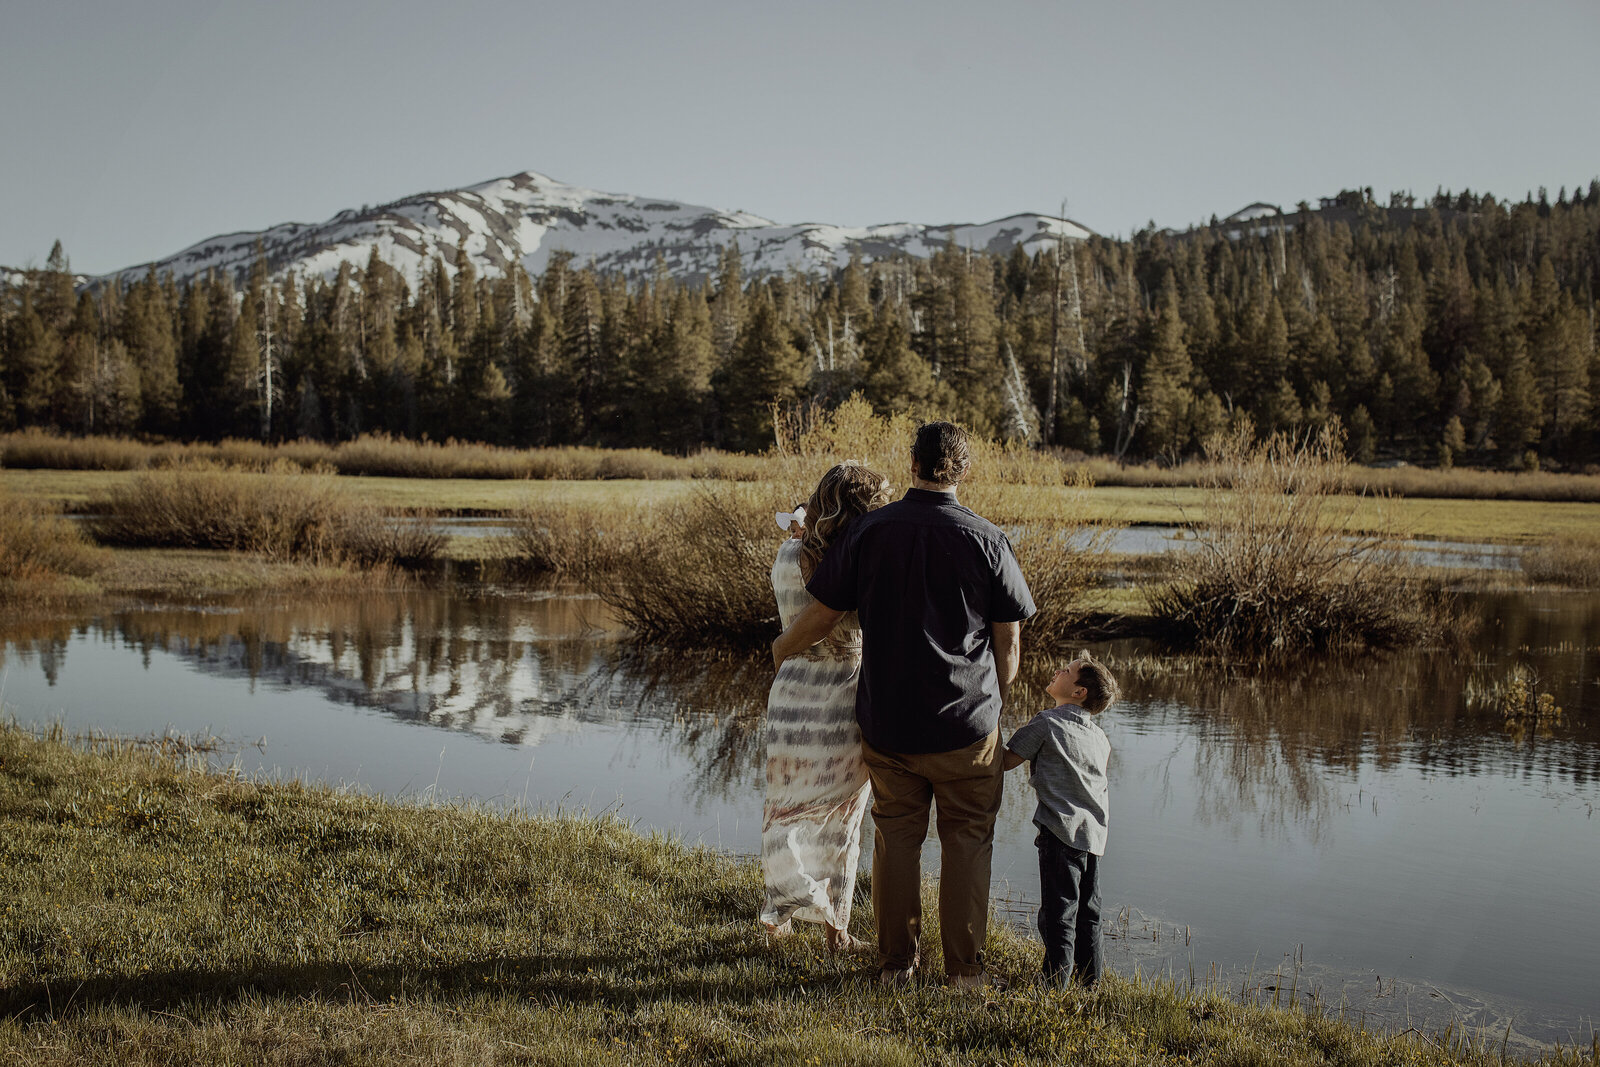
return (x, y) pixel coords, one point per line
(817, 789)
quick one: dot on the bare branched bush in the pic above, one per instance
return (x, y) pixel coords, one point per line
(412, 540)
(700, 572)
(811, 440)
(1276, 572)
(1065, 566)
(572, 541)
(283, 515)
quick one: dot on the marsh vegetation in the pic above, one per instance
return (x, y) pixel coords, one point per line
(1276, 574)
(284, 513)
(42, 554)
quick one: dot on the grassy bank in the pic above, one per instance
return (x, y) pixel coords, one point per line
(155, 915)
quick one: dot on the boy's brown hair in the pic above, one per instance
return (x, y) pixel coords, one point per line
(1098, 682)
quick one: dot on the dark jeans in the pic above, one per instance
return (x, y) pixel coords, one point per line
(1069, 911)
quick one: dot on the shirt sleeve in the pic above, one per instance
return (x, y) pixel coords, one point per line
(1028, 739)
(1009, 598)
(834, 582)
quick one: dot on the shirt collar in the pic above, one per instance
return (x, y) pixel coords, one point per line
(931, 496)
(1075, 711)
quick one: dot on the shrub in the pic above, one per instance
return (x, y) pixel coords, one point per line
(1572, 561)
(284, 514)
(811, 440)
(369, 538)
(1275, 573)
(572, 541)
(1065, 567)
(699, 572)
(40, 551)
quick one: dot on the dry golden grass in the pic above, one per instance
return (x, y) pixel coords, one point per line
(43, 555)
(1458, 483)
(1570, 561)
(373, 455)
(285, 514)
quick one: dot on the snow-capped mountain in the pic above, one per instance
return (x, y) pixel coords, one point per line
(528, 217)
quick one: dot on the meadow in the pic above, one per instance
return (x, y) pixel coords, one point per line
(159, 913)
(1500, 521)
(685, 560)
(380, 456)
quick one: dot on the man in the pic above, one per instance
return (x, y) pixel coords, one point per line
(941, 602)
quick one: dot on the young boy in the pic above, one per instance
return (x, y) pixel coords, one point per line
(1069, 753)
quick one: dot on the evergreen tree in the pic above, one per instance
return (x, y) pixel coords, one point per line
(33, 364)
(895, 378)
(766, 370)
(147, 334)
(1164, 391)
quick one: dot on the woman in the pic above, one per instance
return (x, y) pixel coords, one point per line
(817, 789)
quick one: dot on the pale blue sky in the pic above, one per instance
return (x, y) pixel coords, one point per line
(131, 130)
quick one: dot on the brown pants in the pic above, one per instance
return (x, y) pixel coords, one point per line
(966, 785)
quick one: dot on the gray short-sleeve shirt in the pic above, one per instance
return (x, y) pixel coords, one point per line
(1069, 754)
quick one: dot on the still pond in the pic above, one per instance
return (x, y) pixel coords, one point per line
(1376, 836)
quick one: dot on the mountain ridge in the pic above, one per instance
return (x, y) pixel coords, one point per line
(528, 217)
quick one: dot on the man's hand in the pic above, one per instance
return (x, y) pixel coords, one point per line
(809, 627)
(1007, 653)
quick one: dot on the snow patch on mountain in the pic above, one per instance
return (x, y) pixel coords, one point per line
(528, 218)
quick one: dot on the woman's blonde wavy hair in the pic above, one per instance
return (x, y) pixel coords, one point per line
(846, 491)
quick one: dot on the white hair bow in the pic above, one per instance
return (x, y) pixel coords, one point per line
(786, 518)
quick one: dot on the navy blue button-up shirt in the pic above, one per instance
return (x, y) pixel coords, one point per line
(927, 577)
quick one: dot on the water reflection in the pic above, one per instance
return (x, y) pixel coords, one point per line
(1379, 813)
(1267, 749)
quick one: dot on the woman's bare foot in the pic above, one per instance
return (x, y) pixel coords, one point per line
(783, 929)
(841, 943)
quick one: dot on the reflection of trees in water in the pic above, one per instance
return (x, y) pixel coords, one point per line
(1272, 747)
(517, 667)
(719, 701)
(510, 668)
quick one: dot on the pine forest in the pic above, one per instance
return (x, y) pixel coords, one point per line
(1461, 330)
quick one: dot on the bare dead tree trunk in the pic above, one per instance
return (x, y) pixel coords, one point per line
(1050, 407)
(265, 380)
(1080, 355)
(1126, 424)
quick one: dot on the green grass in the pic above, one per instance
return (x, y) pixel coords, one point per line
(154, 914)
